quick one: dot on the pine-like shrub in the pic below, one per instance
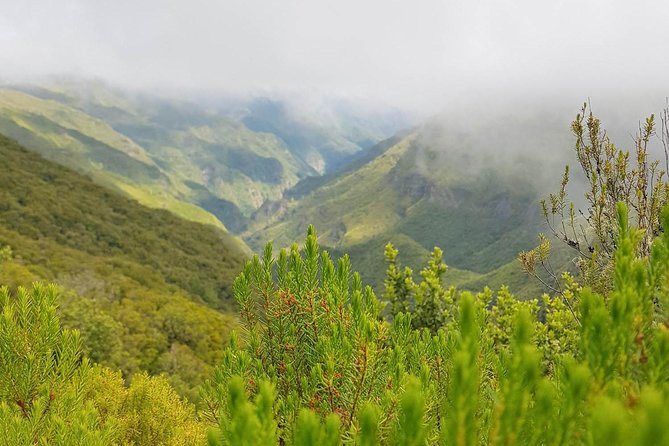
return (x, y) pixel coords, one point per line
(51, 395)
(43, 376)
(316, 364)
(634, 177)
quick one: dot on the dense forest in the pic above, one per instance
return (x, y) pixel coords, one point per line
(142, 286)
(138, 345)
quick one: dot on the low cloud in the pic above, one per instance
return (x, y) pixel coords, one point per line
(419, 55)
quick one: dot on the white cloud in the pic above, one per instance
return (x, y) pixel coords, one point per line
(414, 53)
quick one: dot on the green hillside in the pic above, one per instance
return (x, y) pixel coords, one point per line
(204, 150)
(204, 163)
(325, 137)
(469, 186)
(146, 286)
(201, 166)
(436, 186)
(90, 145)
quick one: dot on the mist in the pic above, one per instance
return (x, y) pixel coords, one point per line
(421, 56)
(493, 83)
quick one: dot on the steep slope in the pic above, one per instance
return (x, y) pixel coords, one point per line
(324, 136)
(90, 145)
(203, 149)
(445, 184)
(144, 284)
(44, 201)
(228, 157)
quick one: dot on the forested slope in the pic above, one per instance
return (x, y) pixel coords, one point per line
(443, 184)
(212, 161)
(319, 358)
(147, 285)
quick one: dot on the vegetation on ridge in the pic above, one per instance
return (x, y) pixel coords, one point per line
(424, 189)
(202, 163)
(142, 285)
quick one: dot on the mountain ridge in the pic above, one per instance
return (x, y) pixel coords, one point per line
(149, 291)
(203, 163)
(420, 190)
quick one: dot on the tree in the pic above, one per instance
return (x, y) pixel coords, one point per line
(430, 304)
(148, 411)
(51, 395)
(5, 253)
(613, 175)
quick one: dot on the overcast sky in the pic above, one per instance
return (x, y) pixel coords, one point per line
(410, 53)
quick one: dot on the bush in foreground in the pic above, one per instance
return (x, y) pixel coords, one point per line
(317, 364)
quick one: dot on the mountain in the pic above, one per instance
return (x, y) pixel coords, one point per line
(326, 135)
(91, 146)
(145, 287)
(212, 162)
(265, 168)
(469, 186)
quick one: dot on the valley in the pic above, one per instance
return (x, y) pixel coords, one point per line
(146, 212)
(261, 170)
(144, 209)
(431, 186)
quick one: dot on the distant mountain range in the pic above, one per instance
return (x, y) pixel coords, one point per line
(441, 184)
(468, 181)
(214, 164)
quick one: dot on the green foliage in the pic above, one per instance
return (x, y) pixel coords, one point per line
(613, 176)
(42, 201)
(49, 393)
(318, 365)
(429, 303)
(510, 373)
(148, 411)
(102, 334)
(6, 253)
(137, 279)
(319, 349)
(249, 423)
(42, 375)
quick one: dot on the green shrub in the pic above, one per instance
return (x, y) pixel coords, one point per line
(42, 375)
(318, 363)
(50, 394)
